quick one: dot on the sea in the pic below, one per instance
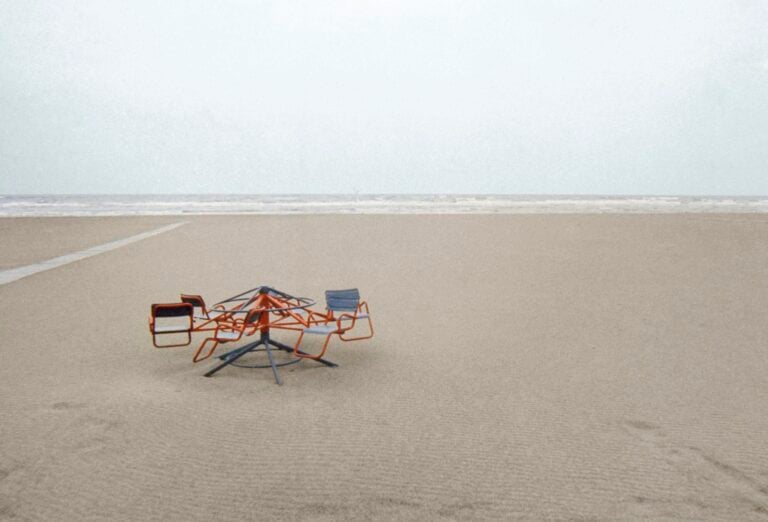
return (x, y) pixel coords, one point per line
(208, 204)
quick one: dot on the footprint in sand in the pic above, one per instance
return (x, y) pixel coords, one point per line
(6, 512)
(67, 405)
(645, 431)
(92, 433)
(642, 425)
(462, 510)
(691, 460)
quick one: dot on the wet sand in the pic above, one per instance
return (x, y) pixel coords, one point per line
(529, 367)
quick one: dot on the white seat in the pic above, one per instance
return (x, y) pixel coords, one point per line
(227, 336)
(361, 315)
(331, 327)
(170, 329)
(323, 329)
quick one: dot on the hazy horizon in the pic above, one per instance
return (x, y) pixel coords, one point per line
(530, 97)
(240, 204)
(353, 194)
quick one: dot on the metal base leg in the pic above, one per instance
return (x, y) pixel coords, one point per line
(287, 348)
(247, 349)
(272, 362)
(230, 357)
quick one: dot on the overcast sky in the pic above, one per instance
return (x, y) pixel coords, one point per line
(539, 96)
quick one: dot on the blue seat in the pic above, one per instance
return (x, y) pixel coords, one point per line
(350, 309)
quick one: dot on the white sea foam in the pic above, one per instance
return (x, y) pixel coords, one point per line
(90, 205)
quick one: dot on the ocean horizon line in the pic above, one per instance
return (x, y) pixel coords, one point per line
(53, 205)
(367, 194)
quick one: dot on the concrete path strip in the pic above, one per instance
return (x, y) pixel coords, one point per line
(13, 274)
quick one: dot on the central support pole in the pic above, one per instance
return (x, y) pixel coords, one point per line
(263, 325)
(266, 342)
(262, 300)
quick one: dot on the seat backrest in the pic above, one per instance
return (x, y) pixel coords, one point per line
(172, 310)
(342, 300)
(174, 319)
(196, 301)
(252, 316)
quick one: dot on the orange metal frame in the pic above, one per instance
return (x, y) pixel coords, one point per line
(171, 310)
(327, 318)
(259, 313)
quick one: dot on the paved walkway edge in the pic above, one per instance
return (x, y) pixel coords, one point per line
(14, 274)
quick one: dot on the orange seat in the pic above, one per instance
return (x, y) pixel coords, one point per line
(198, 302)
(176, 319)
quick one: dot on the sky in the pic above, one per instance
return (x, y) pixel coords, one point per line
(401, 96)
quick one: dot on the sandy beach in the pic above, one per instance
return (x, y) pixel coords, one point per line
(525, 367)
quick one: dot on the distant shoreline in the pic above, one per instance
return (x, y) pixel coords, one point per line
(204, 204)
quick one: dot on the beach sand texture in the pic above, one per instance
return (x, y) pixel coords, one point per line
(525, 367)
